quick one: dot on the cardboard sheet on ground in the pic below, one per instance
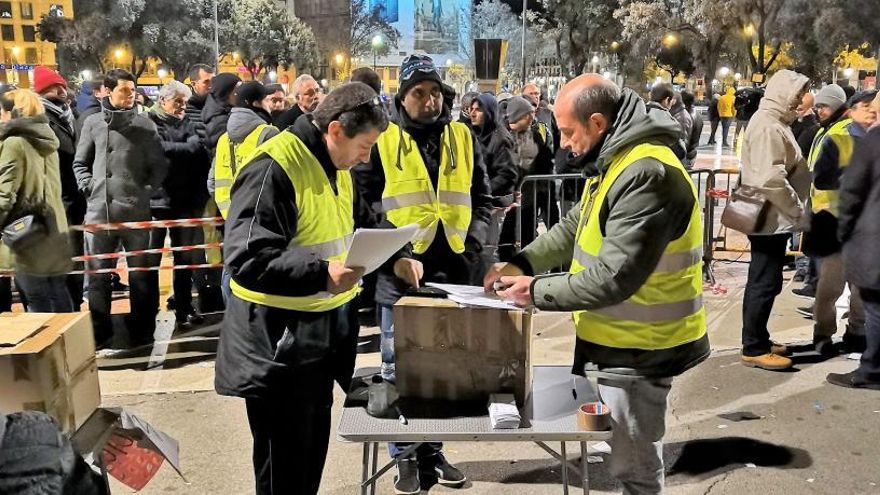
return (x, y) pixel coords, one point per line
(370, 248)
(471, 295)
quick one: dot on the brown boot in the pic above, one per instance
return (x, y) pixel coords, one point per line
(779, 349)
(768, 361)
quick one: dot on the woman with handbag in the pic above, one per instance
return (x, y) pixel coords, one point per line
(774, 176)
(34, 226)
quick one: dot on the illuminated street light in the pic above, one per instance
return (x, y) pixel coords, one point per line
(118, 54)
(377, 42)
(339, 59)
(848, 72)
(724, 71)
(737, 76)
(749, 30)
(715, 81)
(615, 45)
(15, 51)
(162, 73)
(606, 75)
(273, 75)
(670, 40)
(85, 75)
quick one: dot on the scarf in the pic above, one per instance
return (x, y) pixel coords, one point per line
(62, 111)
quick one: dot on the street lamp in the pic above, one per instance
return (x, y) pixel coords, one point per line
(339, 59)
(162, 73)
(724, 71)
(378, 42)
(670, 40)
(118, 54)
(749, 30)
(85, 75)
(615, 45)
(737, 76)
(848, 72)
(273, 75)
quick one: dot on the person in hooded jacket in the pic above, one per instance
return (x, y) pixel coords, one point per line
(726, 112)
(30, 184)
(218, 106)
(772, 163)
(52, 89)
(635, 283)
(693, 142)
(119, 162)
(89, 100)
(182, 195)
(466, 101)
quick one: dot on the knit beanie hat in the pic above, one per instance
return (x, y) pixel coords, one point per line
(223, 85)
(45, 78)
(415, 69)
(831, 96)
(518, 107)
(250, 92)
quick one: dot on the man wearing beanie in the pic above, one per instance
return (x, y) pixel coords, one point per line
(534, 152)
(829, 156)
(451, 204)
(219, 104)
(52, 89)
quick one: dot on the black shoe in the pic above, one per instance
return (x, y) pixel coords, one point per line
(116, 283)
(710, 142)
(799, 276)
(185, 319)
(806, 312)
(851, 380)
(447, 474)
(807, 291)
(854, 343)
(407, 480)
(825, 347)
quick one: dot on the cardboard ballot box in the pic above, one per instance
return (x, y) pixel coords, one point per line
(444, 351)
(47, 363)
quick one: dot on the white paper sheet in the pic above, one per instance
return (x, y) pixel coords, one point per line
(471, 295)
(370, 248)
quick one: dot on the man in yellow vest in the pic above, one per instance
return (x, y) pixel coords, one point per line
(425, 169)
(829, 157)
(289, 331)
(634, 245)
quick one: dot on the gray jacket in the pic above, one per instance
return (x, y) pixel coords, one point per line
(119, 162)
(648, 206)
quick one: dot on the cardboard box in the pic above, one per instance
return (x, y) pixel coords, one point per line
(47, 363)
(444, 351)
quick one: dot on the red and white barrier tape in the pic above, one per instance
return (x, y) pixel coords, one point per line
(149, 224)
(110, 256)
(11, 273)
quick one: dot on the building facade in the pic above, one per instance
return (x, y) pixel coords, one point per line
(20, 45)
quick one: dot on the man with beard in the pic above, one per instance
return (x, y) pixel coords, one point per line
(200, 78)
(307, 94)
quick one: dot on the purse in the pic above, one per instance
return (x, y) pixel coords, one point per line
(746, 210)
(25, 233)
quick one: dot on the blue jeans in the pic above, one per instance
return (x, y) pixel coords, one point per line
(869, 367)
(45, 294)
(725, 129)
(386, 345)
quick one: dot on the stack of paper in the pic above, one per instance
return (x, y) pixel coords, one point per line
(503, 412)
(471, 295)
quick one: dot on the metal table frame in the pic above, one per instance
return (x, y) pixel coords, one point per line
(371, 437)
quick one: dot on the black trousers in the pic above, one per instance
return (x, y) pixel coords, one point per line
(291, 435)
(764, 284)
(183, 280)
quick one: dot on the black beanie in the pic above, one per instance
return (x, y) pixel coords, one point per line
(223, 85)
(251, 92)
(415, 69)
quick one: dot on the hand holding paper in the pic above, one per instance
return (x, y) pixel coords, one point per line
(370, 248)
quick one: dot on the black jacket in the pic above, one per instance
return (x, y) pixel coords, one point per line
(860, 213)
(694, 139)
(188, 163)
(93, 107)
(440, 263)
(194, 108)
(215, 114)
(498, 152)
(804, 130)
(263, 349)
(288, 117)
(747, 101)
(65, 131)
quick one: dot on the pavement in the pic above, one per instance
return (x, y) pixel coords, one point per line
(730, 430)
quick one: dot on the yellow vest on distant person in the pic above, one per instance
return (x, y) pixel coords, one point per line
(829, 200)
(229, 159)
(325, 221)
(667, 310)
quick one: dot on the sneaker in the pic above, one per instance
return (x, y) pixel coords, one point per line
(447, 474)
(779, 349)
(854, 343)
(407, 480)
(851, 380)
(807, 291)
(824, 346)
(807, 312)
(767, 361)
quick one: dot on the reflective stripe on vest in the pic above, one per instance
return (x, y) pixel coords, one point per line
(226, 170)
(667, 310)
(325, 220)
(409, 196)
(839, 134)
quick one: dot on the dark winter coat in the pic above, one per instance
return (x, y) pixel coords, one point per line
(65, 130)
(440, 263)
(119, 163)
(194, 108)
(91, 106)
(747, 102)
(264, 350)
(188, 162)
(860, 213)
(804, 130)
(694, 140)
(215, 115)
(498, 151)
(37, 459)
(288, 117)
(686, 121)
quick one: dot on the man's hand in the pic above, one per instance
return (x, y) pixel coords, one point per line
(409, 270)
(517, 289)
(341, 278)
(497, 271)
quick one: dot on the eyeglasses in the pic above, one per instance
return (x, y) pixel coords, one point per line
(375, 101)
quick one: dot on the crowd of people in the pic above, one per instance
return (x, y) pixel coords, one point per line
(292, 177)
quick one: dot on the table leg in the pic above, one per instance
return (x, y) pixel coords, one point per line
(584, 466)
(375, 466)
(564, 469)
(365, 468)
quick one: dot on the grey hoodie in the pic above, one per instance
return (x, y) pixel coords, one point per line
(648, 206)
(242, 122)
(771, 157)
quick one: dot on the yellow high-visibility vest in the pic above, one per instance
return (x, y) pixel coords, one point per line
(667, 310)
(325, 221)
(229, 159)
(409, 196)
(839, 134)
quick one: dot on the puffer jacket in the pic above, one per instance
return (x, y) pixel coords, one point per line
(215, 115)
(771, 157)
(119, 163)
(30, 183)
(184, 187)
